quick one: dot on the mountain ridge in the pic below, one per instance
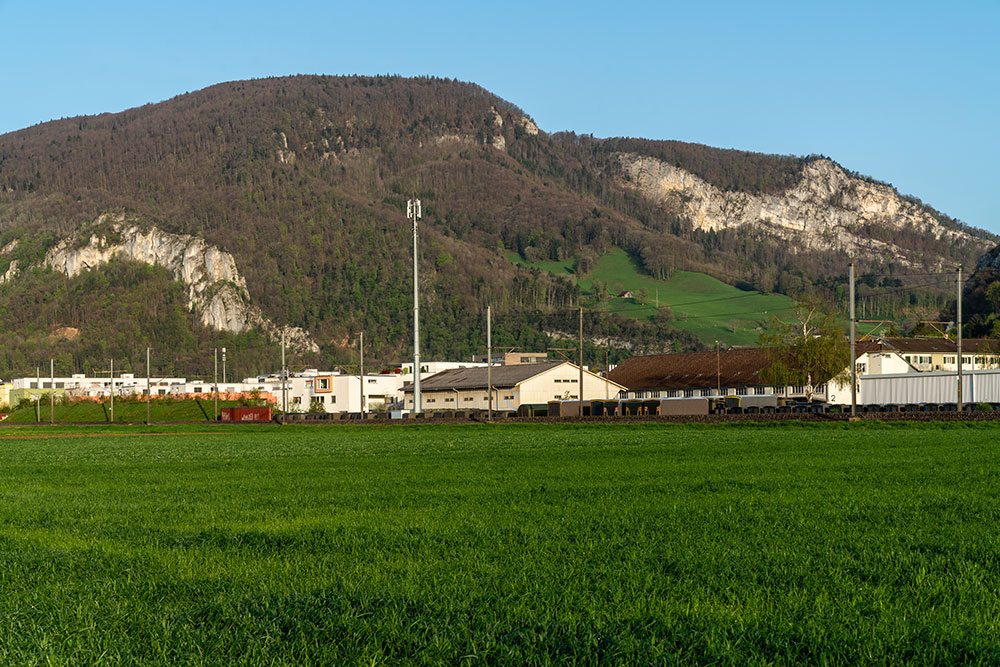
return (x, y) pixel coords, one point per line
(303, 181)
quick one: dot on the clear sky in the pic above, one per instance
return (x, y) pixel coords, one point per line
(906, 92)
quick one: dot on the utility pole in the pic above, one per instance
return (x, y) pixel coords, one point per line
(581, 361)
(607, 369)
(284, 393)
(52, 392)
(112, 391)
(854, 365)
(215, 380)
(148, 390)
(489, 362)
(38, 396)
(223, 365)
(718, 369)
(413, 213)
(361, 374)
(958, 324)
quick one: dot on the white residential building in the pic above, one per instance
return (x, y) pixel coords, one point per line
(333, 391)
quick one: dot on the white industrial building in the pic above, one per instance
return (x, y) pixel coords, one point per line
(982, 386)
(512, 387)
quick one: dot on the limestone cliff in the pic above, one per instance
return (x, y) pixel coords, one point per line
(990, 260)
(216, 290)
(826, 210)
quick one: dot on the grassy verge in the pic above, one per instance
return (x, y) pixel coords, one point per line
(503, 544)
(125, 411)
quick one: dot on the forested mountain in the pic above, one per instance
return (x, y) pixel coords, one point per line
(303, 181)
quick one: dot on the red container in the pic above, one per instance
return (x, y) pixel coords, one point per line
(246, 414)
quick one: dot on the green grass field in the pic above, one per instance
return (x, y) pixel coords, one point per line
(702, 305)
(125, 411)
(501, 544)
(565, 267)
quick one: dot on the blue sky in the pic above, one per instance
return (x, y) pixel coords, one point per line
(906, 92)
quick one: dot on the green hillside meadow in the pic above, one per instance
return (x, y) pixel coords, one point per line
(706, 307)
(500, 544)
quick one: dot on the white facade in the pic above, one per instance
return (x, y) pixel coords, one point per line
(869, 363)
(936, 387)
(334, 392)
(428, 368)
(561, 382)
(81, 385)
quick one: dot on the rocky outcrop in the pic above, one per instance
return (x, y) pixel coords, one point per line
(528, 126)
(216, 291)
(498, 141)
(826, 210)
(990, 260)
(11, 272)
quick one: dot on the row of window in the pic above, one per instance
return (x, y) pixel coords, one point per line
(729, 391)
(980, 360)
(469, 399)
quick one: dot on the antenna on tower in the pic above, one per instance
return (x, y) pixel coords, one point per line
(413, 213)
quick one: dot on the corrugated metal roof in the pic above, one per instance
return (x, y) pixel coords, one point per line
(691, 370)
(694, 370)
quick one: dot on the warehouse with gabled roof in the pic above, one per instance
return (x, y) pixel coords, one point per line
(512, 387)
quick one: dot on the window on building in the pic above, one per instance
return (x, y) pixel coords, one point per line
(296, 400)
(741, 391)
(759, 391)
(688, 392)
(449, 400)
(468, 398)
(508, 397)
(323, 384)
(431, 400)
(197, 390)
(861, 369)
